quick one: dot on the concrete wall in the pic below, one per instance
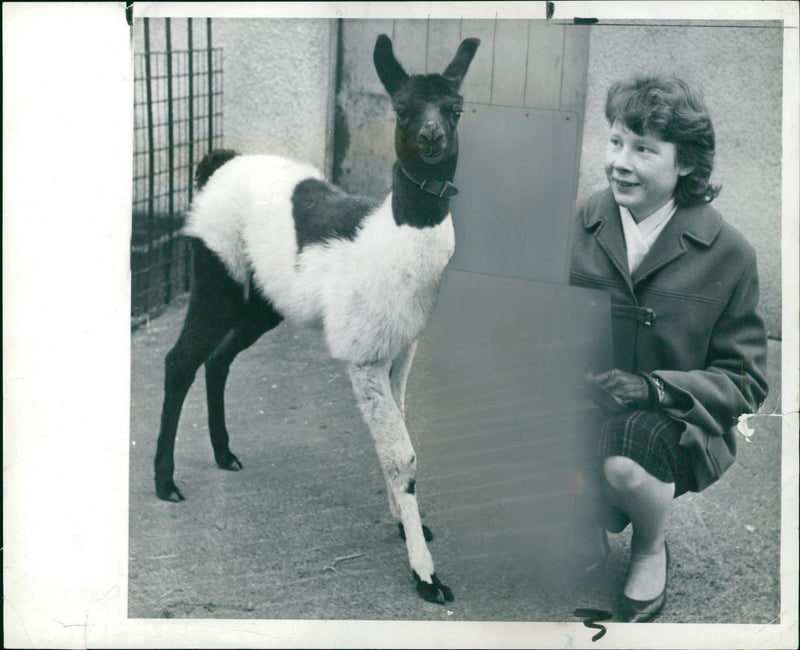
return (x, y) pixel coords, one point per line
(278, 76)
(740, 71)
(277, 79)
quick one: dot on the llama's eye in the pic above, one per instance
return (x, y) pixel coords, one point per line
(401, 113)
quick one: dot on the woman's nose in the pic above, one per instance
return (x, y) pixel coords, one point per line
(621, 159)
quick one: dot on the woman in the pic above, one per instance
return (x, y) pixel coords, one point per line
(689, 349)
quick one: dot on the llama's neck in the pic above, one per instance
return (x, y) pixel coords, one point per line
(417, 207)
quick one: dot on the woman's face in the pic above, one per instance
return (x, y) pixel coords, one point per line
(642, 170)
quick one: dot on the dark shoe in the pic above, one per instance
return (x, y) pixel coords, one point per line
(642, 611)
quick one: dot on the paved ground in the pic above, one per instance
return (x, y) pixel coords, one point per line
(304, 530)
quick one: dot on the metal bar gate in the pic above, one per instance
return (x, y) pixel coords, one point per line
(177, 119)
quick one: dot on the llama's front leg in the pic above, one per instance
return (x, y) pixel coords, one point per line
(395, 510)
(372, 388)
(398, 374)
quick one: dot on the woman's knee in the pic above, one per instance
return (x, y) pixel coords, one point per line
(624, 474)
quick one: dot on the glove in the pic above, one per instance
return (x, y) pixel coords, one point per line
(617, 390)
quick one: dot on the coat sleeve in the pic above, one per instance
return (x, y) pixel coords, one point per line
(734, 379)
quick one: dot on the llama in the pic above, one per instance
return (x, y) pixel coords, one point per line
(273, 240)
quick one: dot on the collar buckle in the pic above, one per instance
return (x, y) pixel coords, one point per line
(448, 189)
(440, 189)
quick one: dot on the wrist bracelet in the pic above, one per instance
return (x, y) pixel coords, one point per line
(655, 388)
(659, 389)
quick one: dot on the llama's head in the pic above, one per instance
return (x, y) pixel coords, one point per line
(427, 107)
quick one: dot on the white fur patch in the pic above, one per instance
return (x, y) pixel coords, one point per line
(247, 193)
(374, 294)
(381, 288)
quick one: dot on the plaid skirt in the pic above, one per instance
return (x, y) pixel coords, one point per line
(650, 438)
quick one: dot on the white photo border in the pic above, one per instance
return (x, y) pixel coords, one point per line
(66, 287)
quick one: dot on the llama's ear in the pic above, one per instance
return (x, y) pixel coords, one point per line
(458, 66)
(390, 72)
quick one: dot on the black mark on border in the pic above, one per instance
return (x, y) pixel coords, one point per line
(591, 616)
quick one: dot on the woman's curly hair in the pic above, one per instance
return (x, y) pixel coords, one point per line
(667, 107)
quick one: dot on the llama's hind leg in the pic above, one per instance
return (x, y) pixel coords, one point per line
(213, 307)
(180, 366)
(260, 317)
(371, 385)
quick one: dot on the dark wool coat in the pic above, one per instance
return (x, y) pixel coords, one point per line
(687, 315)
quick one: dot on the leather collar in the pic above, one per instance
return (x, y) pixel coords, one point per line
(442, 189)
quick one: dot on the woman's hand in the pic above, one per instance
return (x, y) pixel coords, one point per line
(618, 390)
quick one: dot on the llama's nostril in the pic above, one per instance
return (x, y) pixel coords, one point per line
(431, 137)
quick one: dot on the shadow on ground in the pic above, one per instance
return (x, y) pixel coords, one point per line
(304, 532)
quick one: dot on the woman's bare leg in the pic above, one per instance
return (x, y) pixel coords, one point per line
(646, 501)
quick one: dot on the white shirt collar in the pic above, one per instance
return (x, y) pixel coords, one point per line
(658, 219)
(639, 238)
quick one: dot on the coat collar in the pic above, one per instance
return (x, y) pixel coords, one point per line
(699, 223)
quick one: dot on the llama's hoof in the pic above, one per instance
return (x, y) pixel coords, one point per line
(168, 491)
(434, 591)
(231, 463)
(425, 531)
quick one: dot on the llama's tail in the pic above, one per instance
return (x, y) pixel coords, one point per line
(210, 163)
